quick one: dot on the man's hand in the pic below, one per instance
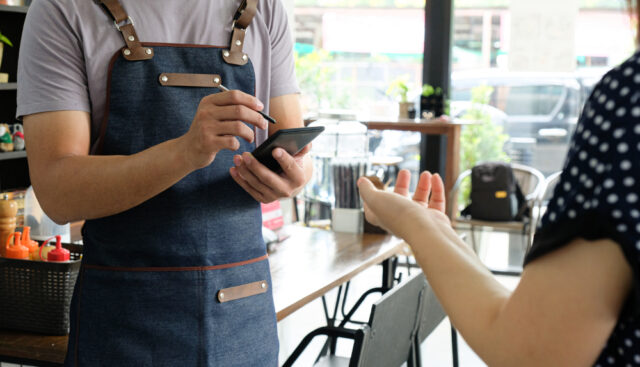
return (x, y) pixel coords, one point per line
(265, 185)
(218, 124)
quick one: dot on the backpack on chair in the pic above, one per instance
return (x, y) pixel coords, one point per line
(495, 193)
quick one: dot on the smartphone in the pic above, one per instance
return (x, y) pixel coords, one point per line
(291, 140)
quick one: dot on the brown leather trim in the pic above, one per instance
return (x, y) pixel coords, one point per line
(189, 80)
(177, 268)
(160, 44)
(241, 20)
(234, 55)
(242, 291)
(116, 10)
(134, 50)
(245, 13)
(123, 23)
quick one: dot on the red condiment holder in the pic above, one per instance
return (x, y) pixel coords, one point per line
(59, 254)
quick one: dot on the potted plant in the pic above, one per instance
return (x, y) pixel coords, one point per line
(432, 100)
(3, 40)
(482, 140)
(399, 89)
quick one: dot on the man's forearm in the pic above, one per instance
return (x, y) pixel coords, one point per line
(86, 187)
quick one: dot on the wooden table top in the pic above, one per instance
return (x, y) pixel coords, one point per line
(311, 262)
(433, 126)
(306, 265)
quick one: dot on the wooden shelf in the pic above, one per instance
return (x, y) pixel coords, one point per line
(14, 8)
(8, 86)
(13, 155)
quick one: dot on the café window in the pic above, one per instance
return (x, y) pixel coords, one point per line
(348, 52)
(541, 60)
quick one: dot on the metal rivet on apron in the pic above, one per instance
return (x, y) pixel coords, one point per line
(221, 295)
(132, 38)
(127, 52)
(216, 80)
(244, 57)
(226, 53)
(148, 51)
(164, 78)
(238, 42)
(263, 285)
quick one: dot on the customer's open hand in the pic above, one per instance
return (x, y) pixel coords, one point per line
(391, 210)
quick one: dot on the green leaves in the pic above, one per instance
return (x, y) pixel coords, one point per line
(4, 39)
(482, 141)
(429, 90)
(398, 88)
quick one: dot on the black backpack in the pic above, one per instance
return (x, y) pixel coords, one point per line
(495, 193)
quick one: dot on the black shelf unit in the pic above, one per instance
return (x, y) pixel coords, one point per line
(14, 169)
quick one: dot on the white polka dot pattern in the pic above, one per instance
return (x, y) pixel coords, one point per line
(599, 192)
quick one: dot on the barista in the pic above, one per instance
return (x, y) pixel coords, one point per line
(129, 131)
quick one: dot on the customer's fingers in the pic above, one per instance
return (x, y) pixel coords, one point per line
(402, 182)
(366, 188)
(437, 200)
(424, 188)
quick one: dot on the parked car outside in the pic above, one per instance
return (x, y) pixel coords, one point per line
(543, 106)
(541, 110)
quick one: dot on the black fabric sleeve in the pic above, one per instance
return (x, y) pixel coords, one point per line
(597, 196)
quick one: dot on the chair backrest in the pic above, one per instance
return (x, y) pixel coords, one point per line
(550, 186)
(545, 195)
(530, 180)
(431, 314)
(393, 325)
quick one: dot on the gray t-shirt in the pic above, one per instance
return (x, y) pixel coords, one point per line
(67, 45)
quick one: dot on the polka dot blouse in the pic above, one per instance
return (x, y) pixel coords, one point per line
(598, 193)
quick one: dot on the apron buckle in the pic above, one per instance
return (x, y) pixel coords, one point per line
(129, 20)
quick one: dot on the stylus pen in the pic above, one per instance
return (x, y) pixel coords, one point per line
(267, 117)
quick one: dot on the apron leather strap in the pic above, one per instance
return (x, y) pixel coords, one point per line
(241, 20)
(123, 22)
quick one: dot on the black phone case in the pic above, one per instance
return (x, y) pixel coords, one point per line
(291, 140)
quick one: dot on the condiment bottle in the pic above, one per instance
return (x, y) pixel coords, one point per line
(17, 251)
(30, 244)
(44, 252)
(59, 254)
(8, 212)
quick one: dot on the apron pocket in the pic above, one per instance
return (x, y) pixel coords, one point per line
(141, 318)
(242, 331)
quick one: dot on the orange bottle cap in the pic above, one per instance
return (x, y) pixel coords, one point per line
(17, 251)
(27, 241)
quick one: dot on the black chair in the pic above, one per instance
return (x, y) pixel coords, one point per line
(532, 183)
(398, 319)
(431, 315)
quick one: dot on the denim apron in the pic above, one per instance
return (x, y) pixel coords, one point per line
(183, 278)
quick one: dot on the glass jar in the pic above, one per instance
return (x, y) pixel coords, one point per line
(344, 139)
